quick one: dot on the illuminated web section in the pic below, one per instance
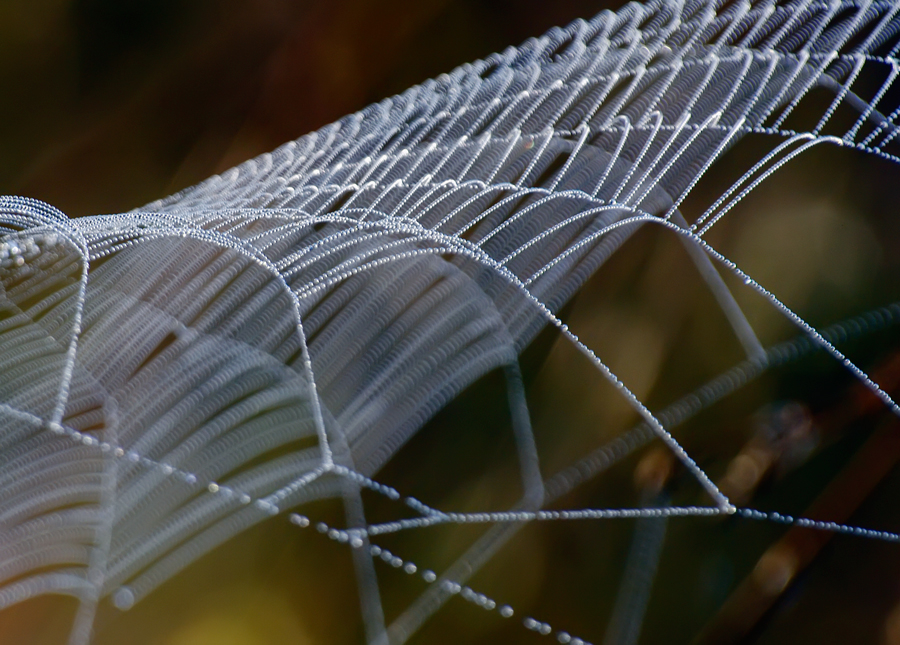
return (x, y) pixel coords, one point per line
(276, 334)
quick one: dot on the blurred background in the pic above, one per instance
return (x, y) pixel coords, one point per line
(106, 105)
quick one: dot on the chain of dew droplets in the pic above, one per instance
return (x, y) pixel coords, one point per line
(352, 537)
(431, 516)
(123, 599)
(869, 322)
(436, 516)
(430, 577)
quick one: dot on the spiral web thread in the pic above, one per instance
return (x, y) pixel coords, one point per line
(272, 336)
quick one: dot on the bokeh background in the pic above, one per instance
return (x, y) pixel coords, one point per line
(106, 105)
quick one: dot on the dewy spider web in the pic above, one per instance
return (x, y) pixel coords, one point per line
(273, 336)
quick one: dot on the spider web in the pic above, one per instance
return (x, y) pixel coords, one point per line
(275, 335)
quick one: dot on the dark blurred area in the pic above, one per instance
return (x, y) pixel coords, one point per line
(107, 105)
